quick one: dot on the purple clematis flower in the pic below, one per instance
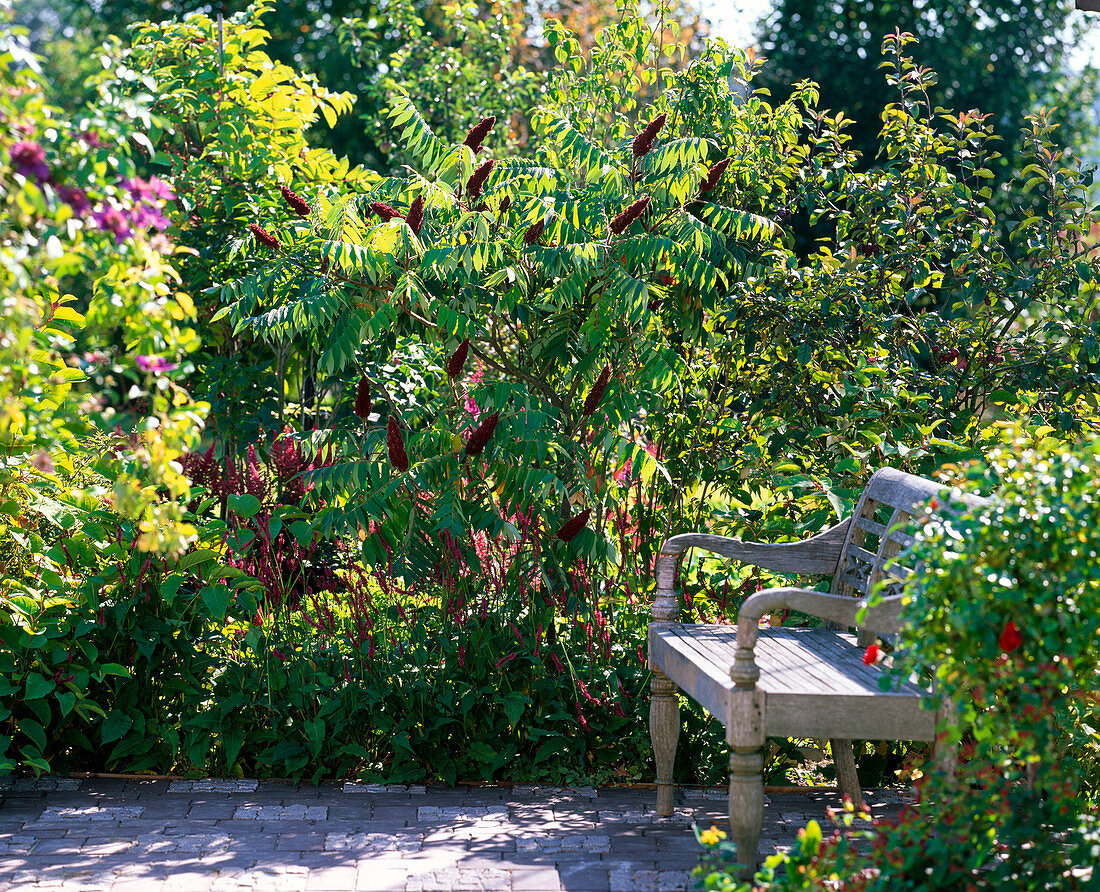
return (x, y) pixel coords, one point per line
(29, 159)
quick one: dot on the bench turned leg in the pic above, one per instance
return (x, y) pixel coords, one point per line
(746, 804)
(847, 779)
(664, 731)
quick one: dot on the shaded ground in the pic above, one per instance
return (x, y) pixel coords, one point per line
(180, 835)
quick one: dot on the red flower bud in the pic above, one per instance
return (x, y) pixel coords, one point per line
(574, 525)
(596, 393)
(478, 132)
(533, 233)
(632, 213)
(643, 142)
(872, 655)
(1011, 638)
(478, 177)
(415, 216)
(458, 360)
(362, 398)
(263, 237)
(296, 202)
(713, 176)
(396, 446)
(481, 436)
(384, 211)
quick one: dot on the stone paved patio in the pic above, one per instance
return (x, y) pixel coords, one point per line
(136, 835)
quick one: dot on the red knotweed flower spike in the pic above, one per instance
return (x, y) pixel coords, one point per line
(872, 655)
(713, 176)
(574, 525)
(415, 217)
(457, 361)
(263, 237)
(478, 132)
(396, 446)
(533, 233)
(632, 213)
(384, 211)
(478, 177)
(596, 393)
(362, 398)
(1011, 637)
(643, 142)
(296, 202)
(481, 436)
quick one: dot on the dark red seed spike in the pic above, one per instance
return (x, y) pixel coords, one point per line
(362, 398)
(296, 202)
(478, 177)
(480, 437)
(415, 217)
(714, 175)
(597, 391)
(534, 233)
(478, 132)
(643, 142)
(384, 211)
(396, 446)
(458, 360)
(263, 237)
(574, 525)
(628, 216)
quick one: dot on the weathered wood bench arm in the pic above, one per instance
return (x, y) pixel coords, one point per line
(818, 554)
(883, 618)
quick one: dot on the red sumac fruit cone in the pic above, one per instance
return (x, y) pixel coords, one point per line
(643, 142)
(263, 237)
(574, 525)
(384, 211)
(415, 217)
(396, 446)
(458, 359)
(596, 393)
(713, 176)
(362, 398)
(478, 177)
(632, 213)
(533, 233)
(478, 132)
(296, 202)
(481, 436)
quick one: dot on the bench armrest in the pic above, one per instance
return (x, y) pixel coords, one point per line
(818, 554)
(882, 618)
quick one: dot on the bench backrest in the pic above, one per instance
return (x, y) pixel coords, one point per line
(891, 498)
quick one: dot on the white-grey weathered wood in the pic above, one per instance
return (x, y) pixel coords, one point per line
(794, 682)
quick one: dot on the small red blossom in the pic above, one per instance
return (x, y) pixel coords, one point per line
(872, 655)
(384, 211)
(574, 525)
(713, 176)
(415, 218)
(628, 216)
(480, 437)
(478, 132)
(262, 236)
(296, 202)
(457, 362)
(643, 142)
(1011, 637)
(396, 446)
(362, 398)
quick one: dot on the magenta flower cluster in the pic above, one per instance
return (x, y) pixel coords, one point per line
(147, 199)
(29, 160)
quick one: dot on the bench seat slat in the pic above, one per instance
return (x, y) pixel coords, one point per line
(813, 680)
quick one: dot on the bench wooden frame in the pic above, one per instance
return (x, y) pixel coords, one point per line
(791, 682)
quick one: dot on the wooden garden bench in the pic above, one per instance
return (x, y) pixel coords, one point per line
(787, 682)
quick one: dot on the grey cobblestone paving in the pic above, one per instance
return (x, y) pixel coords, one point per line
(153, 835)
